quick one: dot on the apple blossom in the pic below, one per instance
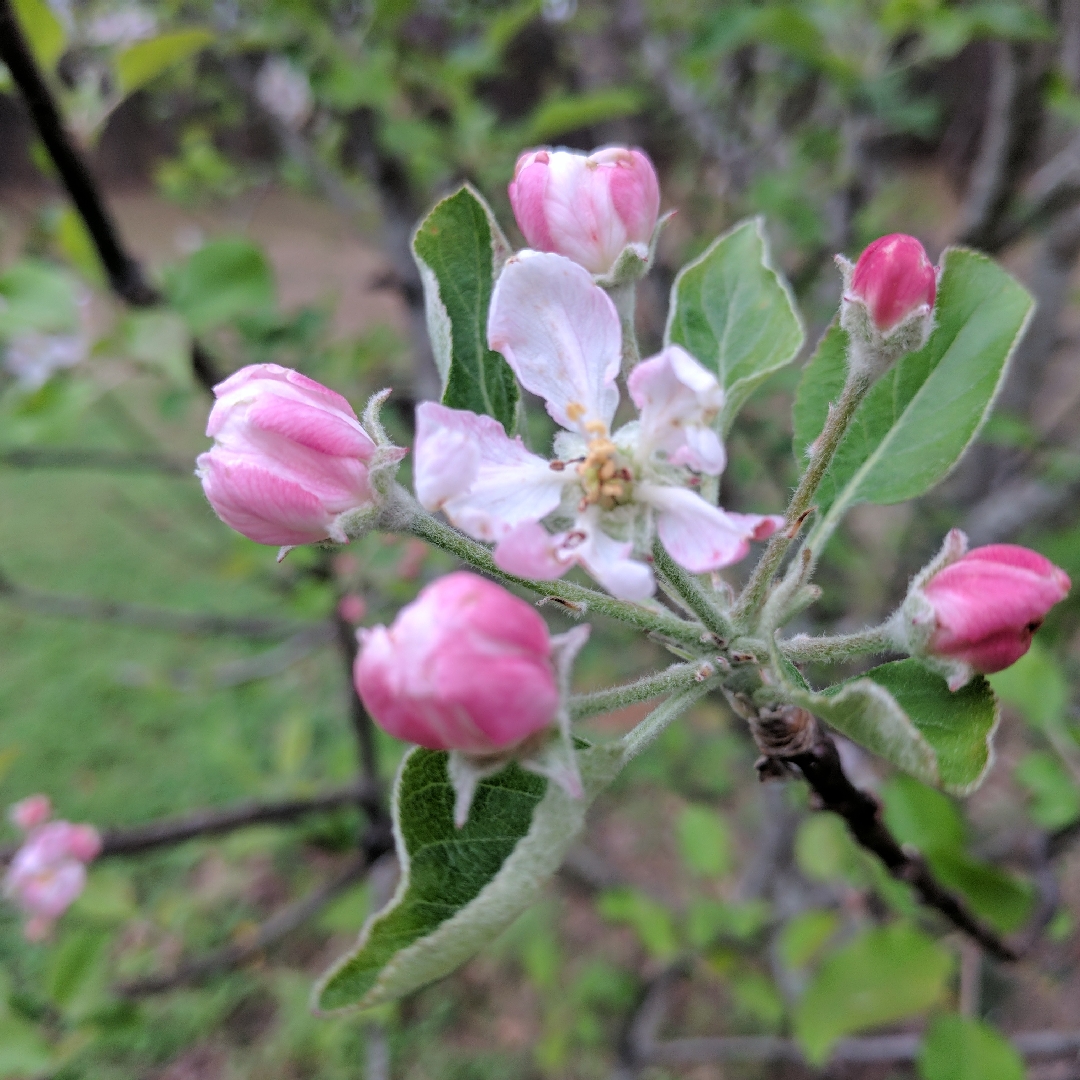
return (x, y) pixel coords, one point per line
(976, 611)
(30, 812)
(290, 460)
(48, 872)
(466, 666)
(888, 303)
(605, 494)
(586, 207)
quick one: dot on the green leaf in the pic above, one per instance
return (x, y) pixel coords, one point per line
(144, 61)
(931, 822)
(460, 250)
(704, 841)
(708, 919)
(73, 239)
(731, 310)
(224, 279)
(73, 965)
(160, 341)
(566, 113)
(459, 888)
(884, 975)
(806, 935)
(649, 918)
(907, 709)
(44, 31)
(37, 296)
(957, 1048)
(920, 417)
(23, 1051)
(1055, 797)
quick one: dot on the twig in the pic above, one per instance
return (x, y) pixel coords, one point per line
(229, 957)
(124, 272)
(277, 659)
(179, 622)
(136, 839)
(34, 457)
(791, 736)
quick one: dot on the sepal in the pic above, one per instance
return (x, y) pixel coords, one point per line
(634, 261)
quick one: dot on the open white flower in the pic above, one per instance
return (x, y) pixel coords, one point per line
(606, 494)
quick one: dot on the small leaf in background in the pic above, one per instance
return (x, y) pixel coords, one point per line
(23, 1050)
(731, 310)
(35, 295)
(1036, 686)
(825, 851)
(1055, 797)
(704, 841)
(73, 964)
(160, 341)
(806, 935)
(708, 919)
(649, 918)
(921, 816)
(221, 281)
(959, 1048)
(43, 30)
(144, 61)
(931, 822)
(560, 115)
(757, 998)
(884, 975)
(920, 417)
(460, 249)
(73, 240)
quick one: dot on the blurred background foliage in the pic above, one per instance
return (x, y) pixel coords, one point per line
(268, 160)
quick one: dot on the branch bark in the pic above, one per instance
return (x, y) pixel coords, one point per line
(178, 622)
(47, 457)
(136, 839)
(124, 272)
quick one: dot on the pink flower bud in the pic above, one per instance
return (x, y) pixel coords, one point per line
(465, 666)
(894, 278)
(989, 603)
(588, 208)
(352, 608)
(31, 812)
(289, 457)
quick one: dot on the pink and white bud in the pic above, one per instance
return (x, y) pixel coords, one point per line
(894, 278)
(352, 607)
(988, 604)
(31, 812)
(466, 666)
(888, 302)
(586, 207)
(290, 459)
(977, 612)
(48, 872)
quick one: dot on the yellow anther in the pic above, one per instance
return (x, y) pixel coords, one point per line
(593, 427)
(575, 411)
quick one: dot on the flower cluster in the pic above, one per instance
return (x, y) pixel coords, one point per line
(48, 871)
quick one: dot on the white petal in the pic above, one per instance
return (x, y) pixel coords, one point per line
(502, 484)
(678, 399)
(699, 536)
(607, 560)
(560, 333)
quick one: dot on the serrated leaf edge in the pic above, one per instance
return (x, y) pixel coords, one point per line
(557, 820)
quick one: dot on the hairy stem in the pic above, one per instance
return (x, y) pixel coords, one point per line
(839, 647)
(754, 595)
(656, 723)
(676, 677)
(692, 593)
(649, 618)
(624, 297)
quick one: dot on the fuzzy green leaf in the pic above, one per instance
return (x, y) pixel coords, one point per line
(459, 888)
(141, 63)
(731, 310)
(460, 250)
(884, 975)
(920, 417)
